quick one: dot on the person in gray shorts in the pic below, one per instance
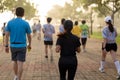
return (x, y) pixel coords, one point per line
(17, 29)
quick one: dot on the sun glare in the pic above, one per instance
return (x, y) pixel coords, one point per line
(43, 6)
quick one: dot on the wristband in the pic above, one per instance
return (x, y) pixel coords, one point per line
(6, 45)
(103, 48)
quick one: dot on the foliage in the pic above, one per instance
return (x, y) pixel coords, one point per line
(103, 6)
(69, 11)
(12, 4)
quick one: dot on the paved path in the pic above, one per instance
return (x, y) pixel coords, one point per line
(38, 68)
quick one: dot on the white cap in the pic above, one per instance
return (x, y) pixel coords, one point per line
(108, 18)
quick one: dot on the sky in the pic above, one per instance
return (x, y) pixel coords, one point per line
(44, 6)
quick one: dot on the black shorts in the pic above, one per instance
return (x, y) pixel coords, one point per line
(48, 42)
(112, 46)
(3, 34)
(18, 54)
(83, 41)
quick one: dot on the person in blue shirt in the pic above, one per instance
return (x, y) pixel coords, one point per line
(109, 34)
(17, 29)
(68, 45)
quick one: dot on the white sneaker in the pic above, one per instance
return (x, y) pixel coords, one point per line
(118, 77)
(101, 70)
(15, 78)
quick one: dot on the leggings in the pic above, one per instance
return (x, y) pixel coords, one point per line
(67, 64)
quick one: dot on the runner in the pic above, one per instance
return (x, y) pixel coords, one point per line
(61, 28)
(34, 29)
(17, 29)
(3, 32)
(109, 34)
(84, 34)
(38, 30)
(67, 44)
(48, 31)
(76, 29)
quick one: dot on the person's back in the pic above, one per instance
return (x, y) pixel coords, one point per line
(3, 32)
(76, 29)
(38, 30)
(110, 36)
(18, 30)
(68, 45)
(3, 28)
(61, 27)
(84, 34)
(38, 26)
(84, 29)
(48, 30)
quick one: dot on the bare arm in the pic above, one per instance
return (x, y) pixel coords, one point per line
(58, 48)
(7, 42)
(104, 42)
(78, 49)
(29, 40)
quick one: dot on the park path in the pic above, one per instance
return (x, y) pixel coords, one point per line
(37, 67)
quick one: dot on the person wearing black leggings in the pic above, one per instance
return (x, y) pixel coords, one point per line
(67, 44)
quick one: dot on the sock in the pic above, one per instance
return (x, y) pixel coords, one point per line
(117, 65)
(102, 64)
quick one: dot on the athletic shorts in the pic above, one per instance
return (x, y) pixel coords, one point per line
(112, 46)
(3, 34)
(48, 42)
(83, 41)
(18, 54)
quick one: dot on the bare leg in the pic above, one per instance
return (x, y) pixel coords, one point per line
(46, 51)
(51, 51)
(20, 69)
(15, 68)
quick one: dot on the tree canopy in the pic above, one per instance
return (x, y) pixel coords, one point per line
(73, 10)
(12, 4)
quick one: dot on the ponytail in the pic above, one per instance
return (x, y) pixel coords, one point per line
(110, 26)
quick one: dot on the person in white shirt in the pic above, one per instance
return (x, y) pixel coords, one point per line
(109, 34)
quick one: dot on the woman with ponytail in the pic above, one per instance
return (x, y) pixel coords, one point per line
(109, 34)
(68, 45)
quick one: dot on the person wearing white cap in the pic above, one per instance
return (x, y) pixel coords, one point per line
(109, 34)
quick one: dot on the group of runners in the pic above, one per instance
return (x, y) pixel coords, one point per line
(71, 37)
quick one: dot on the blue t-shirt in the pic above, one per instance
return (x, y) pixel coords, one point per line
(18, 28)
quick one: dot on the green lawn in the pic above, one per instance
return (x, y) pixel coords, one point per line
(98, 35)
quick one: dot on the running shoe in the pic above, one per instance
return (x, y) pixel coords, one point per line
(118, 77)
(46, 56)
(15, 78)
(101, 70)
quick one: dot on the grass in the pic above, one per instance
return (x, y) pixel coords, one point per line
(98, 35)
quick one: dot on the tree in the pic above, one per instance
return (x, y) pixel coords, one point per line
(68, 11)
(12, 4)
(104, 7)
